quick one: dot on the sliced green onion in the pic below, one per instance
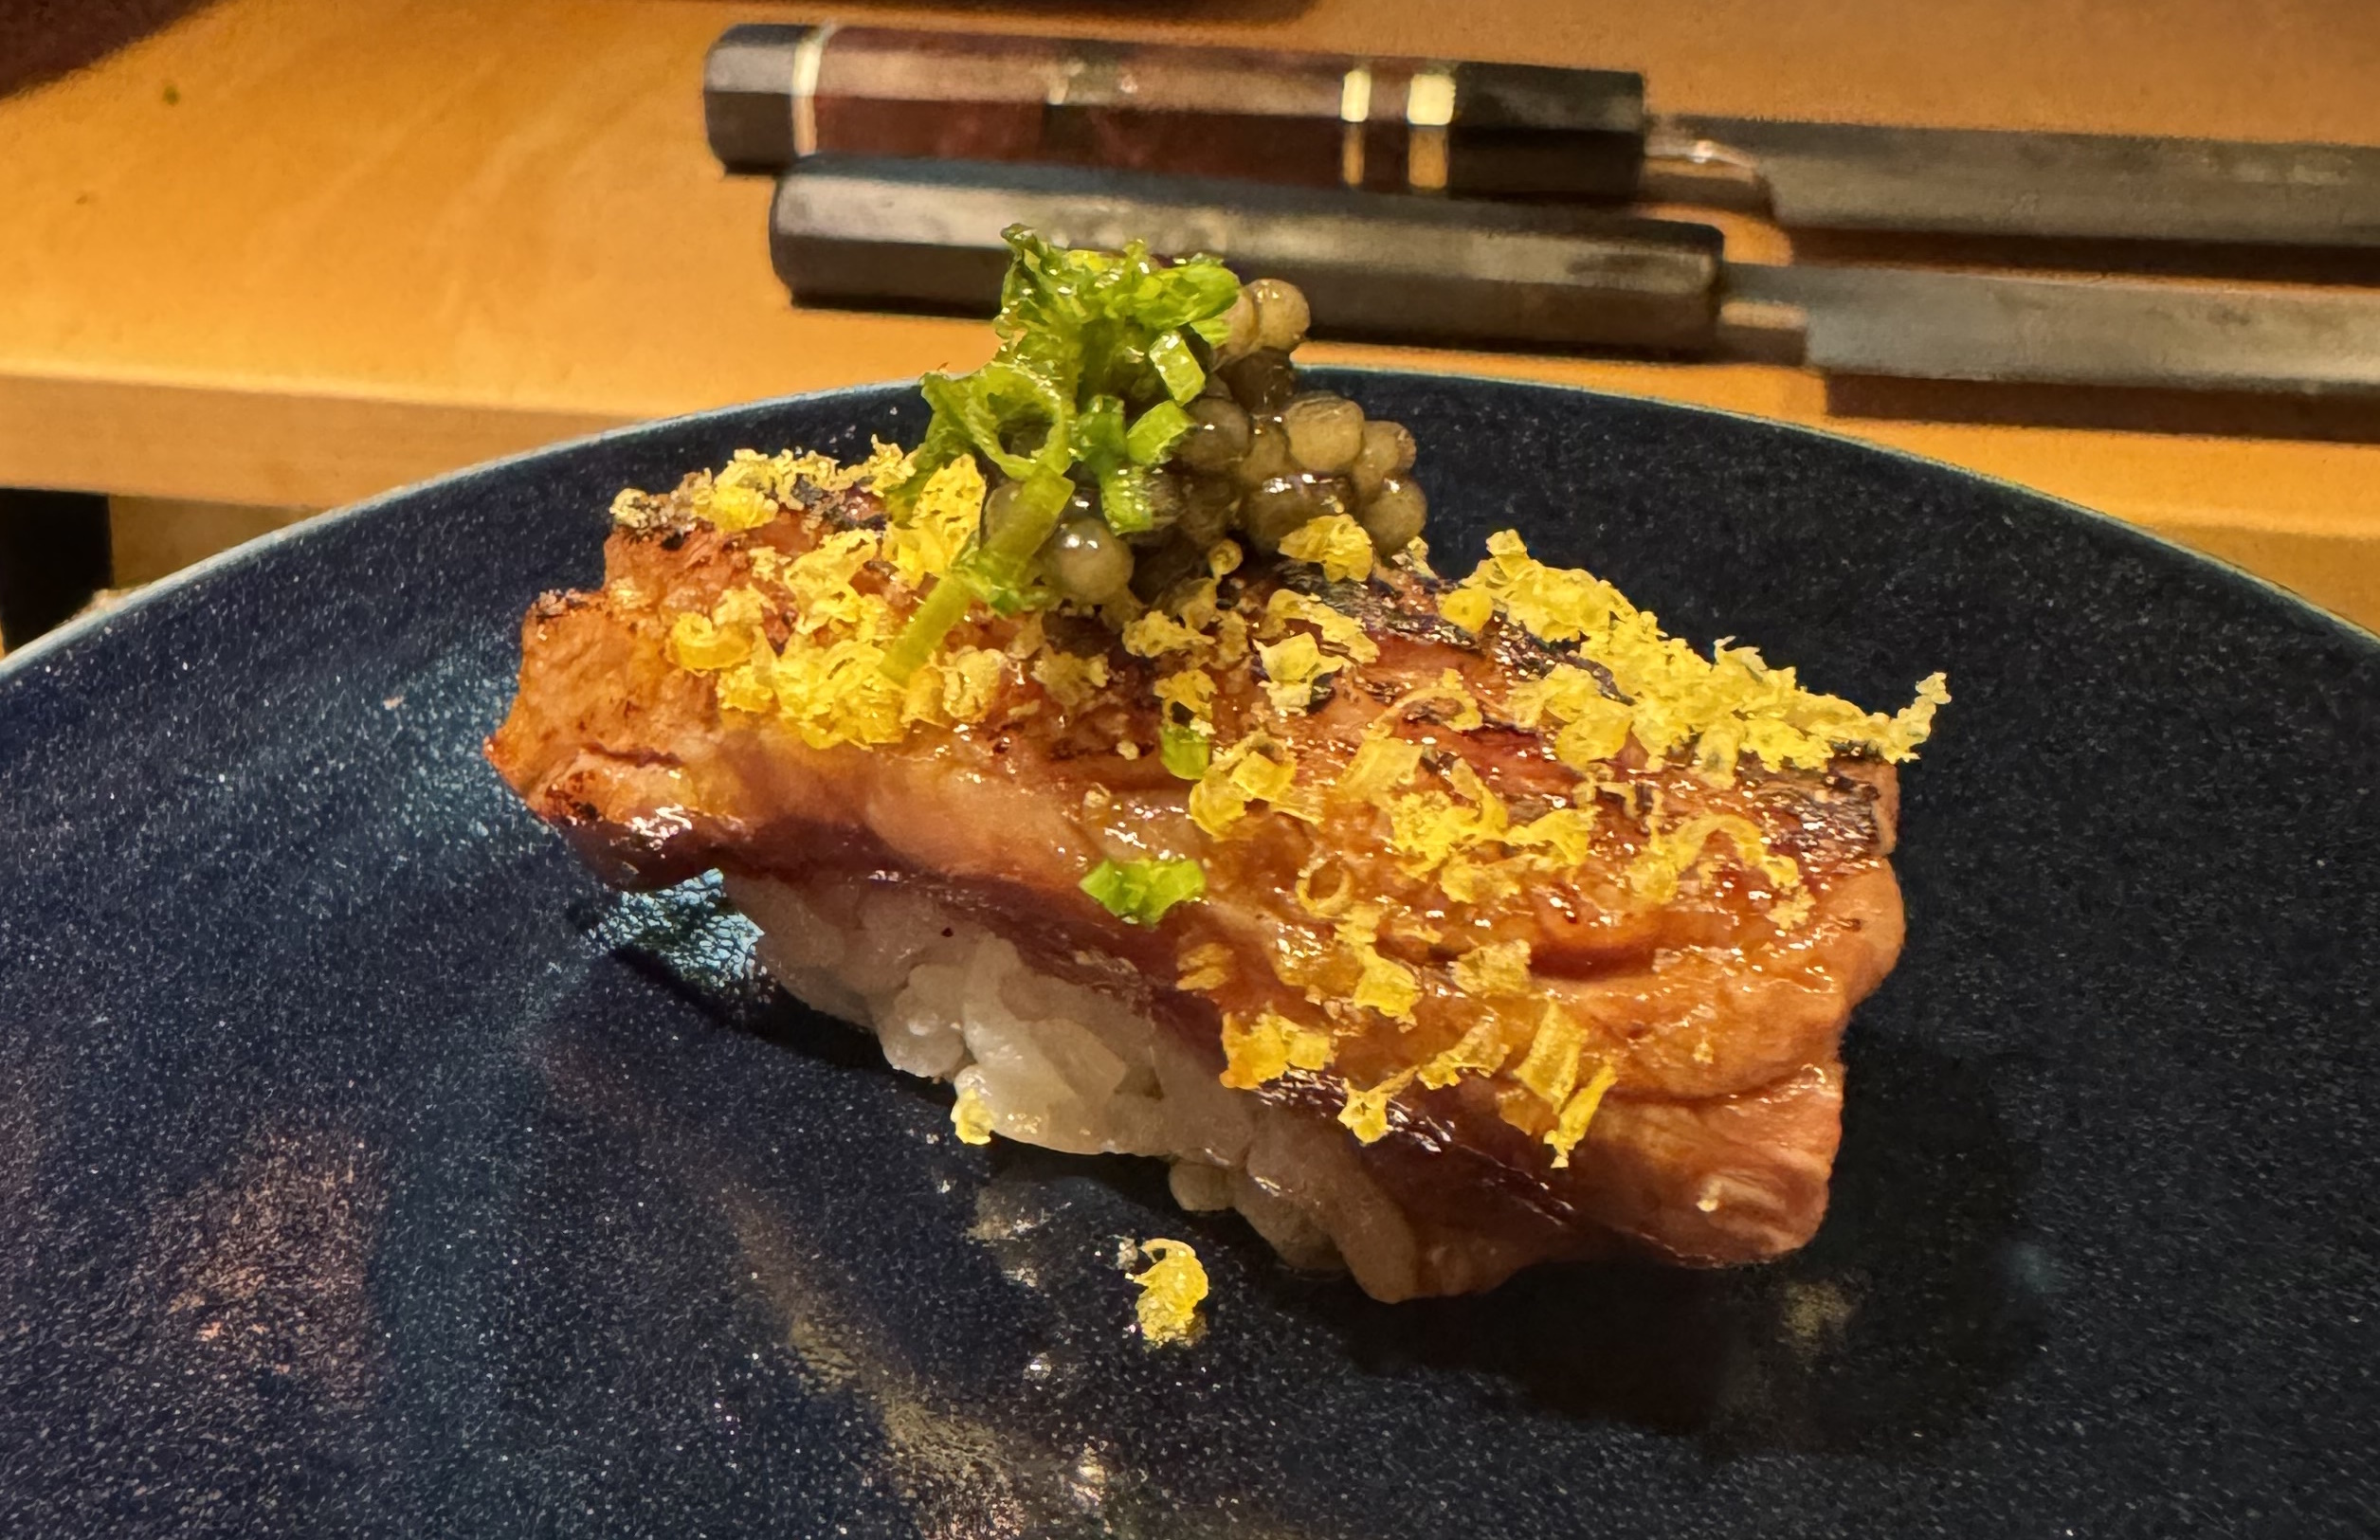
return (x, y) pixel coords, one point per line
(1175, 365)
(1154, 435)
(1139, 892)
(994, 403)
(943, 609)
(1185, 750)
(1080, 332)
(1001, 570)
(1098, 431)
(998, 573)
(1124, 499)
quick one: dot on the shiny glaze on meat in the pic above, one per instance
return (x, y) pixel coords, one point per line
(1715, 1142)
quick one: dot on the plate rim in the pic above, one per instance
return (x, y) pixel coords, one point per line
(75, 631)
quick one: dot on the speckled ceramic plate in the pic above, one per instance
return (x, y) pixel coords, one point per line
(366, 1168)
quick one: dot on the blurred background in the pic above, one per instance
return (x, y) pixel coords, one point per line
(261, 258)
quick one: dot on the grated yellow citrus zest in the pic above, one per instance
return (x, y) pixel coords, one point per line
(1028, 637)
(1727, 705)
(1470, 608)
(1550, 1066)
(1335, 543)
(1468, 881)
(1291, 667)
(1344, 632)
(971, 679)
(731, 508)
(1253, 769)
(1495, 819)
(945, 518)
(819, 580)
(1481, 1050)
(1382, 984)
(1493, 972)
(1386, 985)
(751, 488)
(1568, 833)
(826, 684)
(1071, 678)
(1172, 1287)
(1206, 967)
(820, 684)
(1254, 1052)
(1426, 828)
(1193, 689)
(1577, 1114)
(1257, 1052)
(1667, 856)
(1309, 1048)
(1156, 633)
(1592, 728)
(741, 688)
(970, 1117)
(1792, 914)
(1231, 638)
(698, 643)
(1365, 1114)
(1379, 765)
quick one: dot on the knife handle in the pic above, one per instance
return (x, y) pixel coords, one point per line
(911, 234)
(774, 95)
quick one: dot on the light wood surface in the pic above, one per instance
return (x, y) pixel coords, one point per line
(293, 253)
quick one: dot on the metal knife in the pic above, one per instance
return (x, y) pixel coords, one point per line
(774, 95)
(927, 234)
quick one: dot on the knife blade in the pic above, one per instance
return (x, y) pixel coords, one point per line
(774, 94)
(926, 234)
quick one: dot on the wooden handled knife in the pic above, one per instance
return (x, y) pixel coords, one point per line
(775, 94)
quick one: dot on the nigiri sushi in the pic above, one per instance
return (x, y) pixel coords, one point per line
(1116, 754)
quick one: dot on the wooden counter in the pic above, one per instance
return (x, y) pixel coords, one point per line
(293, 253)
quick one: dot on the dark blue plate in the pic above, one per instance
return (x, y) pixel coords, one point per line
(365, 1168)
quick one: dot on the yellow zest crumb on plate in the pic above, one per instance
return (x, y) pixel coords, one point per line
(1335, 543)
(970, 1117)
(1172, 1287)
